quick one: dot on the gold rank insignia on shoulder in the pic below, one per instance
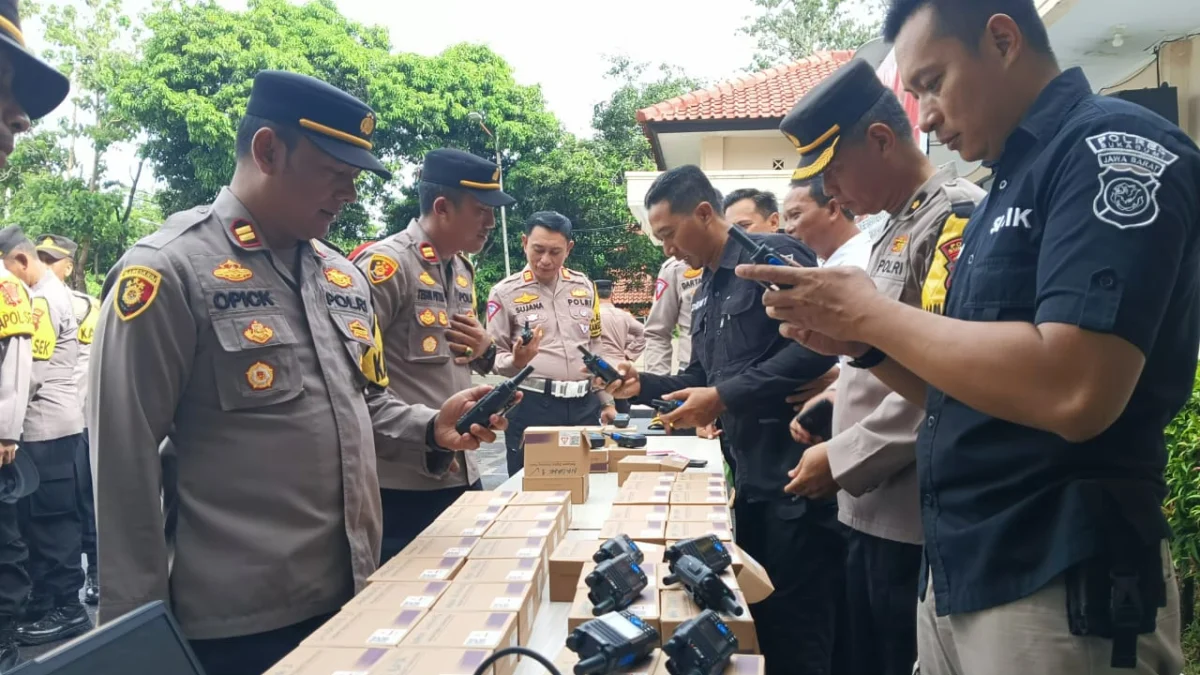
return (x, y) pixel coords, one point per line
(428, 252)
(462, 281)
(232, 270)
(260, 376)
(381, 268)
(443, 319)
(359, 330)
(527, 276)
(691, 273)
(258, 333)
(525, 298)
(566, 274)
(579, 293)
(427, 317)
(243, 231)
(338, 278)
(429, 345)
(427, 279)
(136, 289)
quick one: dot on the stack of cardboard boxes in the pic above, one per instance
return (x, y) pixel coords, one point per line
(469, 585)
(559, 459)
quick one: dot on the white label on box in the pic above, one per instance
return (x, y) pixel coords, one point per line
(651, 533)
(417, 601)
(434, 574)
(641, 610)
(715, 500)
(471, 532)
(457, 552)
(519, 575)
(506, 603)
(498, 502)
(483, 638)
(538, 532)
(528, 553)
(718, 517)
(546, 516)
(568, 439)
(387, 636)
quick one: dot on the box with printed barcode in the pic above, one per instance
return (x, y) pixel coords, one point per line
(701, 513)
(557, 515)
(389, 595)
(457, 528)
(506, 571)
(369, 628)
(679, 530)
(323, 661)
(517, 597)
(485, 498)
(439, 547)
(465, 630)
(649, 531)
(418, 569)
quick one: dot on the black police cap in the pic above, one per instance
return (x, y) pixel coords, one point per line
(454, 168)
(339, 124)
(816, 122)
(57, 246)
(603, 285)
(37, 86)
(10, 238)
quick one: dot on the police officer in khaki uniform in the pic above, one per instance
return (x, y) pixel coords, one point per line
(673, 290)
(50, 522)
(29, 88)
(871, 460)
(561, 308)
(58, 252)
(254, 345)
(622, 337)
(423, 288)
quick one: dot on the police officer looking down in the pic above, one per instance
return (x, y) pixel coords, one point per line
(423, 289)
(563, 313)
(1068, 342)
(742, 371)
(254, 345)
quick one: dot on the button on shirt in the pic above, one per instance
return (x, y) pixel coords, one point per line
(1096, 227)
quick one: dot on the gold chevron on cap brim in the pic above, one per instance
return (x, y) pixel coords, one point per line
(818, 165)
(52, 247)
(11, 29)
(334, 133)
(479, 186)
(804, 149)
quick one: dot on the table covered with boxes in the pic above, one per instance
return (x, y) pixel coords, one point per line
(510, 567)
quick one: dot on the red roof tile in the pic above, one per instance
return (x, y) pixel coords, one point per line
(767, 94)
(625, 294)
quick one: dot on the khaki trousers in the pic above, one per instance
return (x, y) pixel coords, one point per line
(1031, 637)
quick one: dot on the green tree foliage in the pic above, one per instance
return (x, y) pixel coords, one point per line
(1182, 507)
(790, 30)
(615, 120)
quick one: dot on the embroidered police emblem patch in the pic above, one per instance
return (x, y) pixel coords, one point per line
(136, 289)
(1132, 165)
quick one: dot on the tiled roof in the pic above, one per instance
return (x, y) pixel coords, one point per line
(767, 94)
(625, 294)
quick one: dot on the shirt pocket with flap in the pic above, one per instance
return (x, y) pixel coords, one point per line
(744, 329)
(257, 364)
(999, 288)
(358, 335)
(427, 335)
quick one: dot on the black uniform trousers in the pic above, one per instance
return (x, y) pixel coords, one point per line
(253, 654)
(406, 513)
(87, 500)
(14, 580)
(545, 410)
(878, 634)
(50, 524)
(804, 557)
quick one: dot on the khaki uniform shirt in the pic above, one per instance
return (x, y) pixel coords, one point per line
(87, 313)
(622, 337)
(265, 369)
(416, 290)
(873, 450)
(673, 291)
(16, 354)
(54, 411)
(567, 314)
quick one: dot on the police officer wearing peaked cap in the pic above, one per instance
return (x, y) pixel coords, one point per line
(423, 289)
(254, 346)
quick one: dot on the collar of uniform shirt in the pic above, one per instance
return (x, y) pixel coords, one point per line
(1045, 116)
(732, 254)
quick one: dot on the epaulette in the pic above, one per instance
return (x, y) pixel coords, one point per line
(963, 196)
(467, 261)
(962, 209)
(174, 226)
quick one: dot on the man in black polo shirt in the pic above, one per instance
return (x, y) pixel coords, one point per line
(1069, 340)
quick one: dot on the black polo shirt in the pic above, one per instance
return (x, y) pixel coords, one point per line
(1091, 221)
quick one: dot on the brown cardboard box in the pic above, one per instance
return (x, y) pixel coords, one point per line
(366, 629)
(464, 630)
(395, 596)
(505, 571)
(616, 454)
(752, 577)
(557, 452)
(529, 547)
(577, 486)
(486, 498)
(439, 547)
(520, 598)
(699, 497)
(417, 569)
(735, 555)
(645, 607)
(650, 531)
(567, 561)
(661, 464)
(317, 661)
(677, 607)
(523, 529)
(639, 512)
(654, 572)
(706, 479)
(541, 498)
(598, 460)
(408, 661)
(701, 514)
(457, 528)
(471, 512)
(567, 659)
(685, 529)
(643, 495)
(558, 515)
(641, 478)
(740, 664)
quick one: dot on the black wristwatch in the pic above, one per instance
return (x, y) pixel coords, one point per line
(872, 358)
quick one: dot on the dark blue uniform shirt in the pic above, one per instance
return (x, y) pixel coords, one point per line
(1091, 221)
(737, 348)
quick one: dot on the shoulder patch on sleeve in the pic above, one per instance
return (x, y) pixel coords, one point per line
(16, 311)
(1130, 166)
(45, 333)
(493, 307)
(660, 287)
(87, 327)
(137, 287)
(945, 254)
(381, 268)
